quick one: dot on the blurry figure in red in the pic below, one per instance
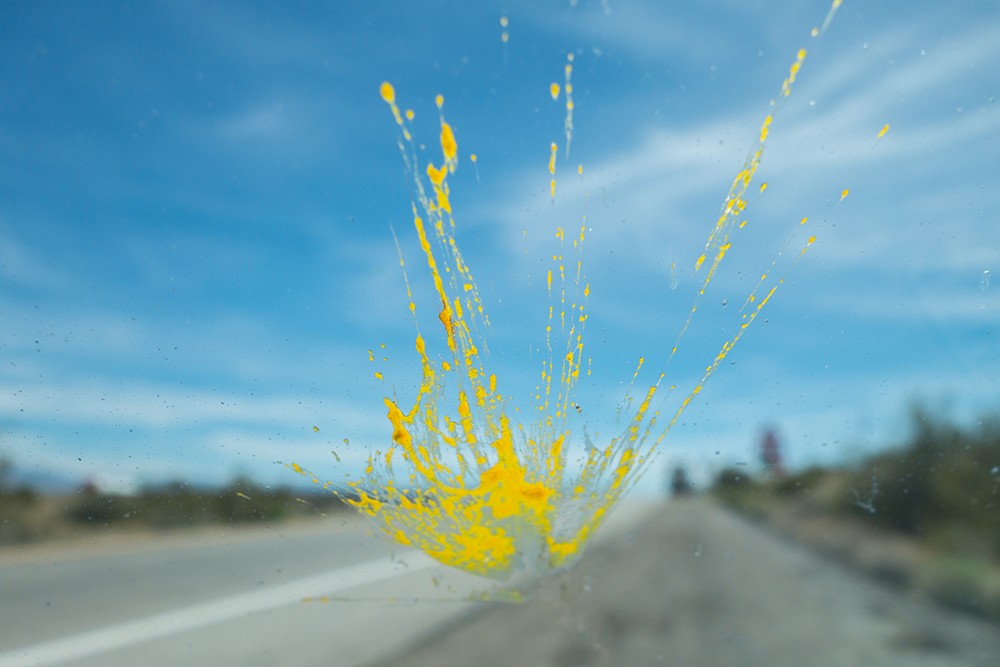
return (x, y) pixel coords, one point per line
(770, 454)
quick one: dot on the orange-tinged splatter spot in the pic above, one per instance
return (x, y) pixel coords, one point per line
(448, 144)
(436, 175)
(388, 92)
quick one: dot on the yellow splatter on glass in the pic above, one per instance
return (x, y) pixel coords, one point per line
(553, 150)
(568, 87)
(465, 476)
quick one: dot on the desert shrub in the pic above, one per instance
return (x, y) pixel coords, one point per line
(799, 483)
(943, 483)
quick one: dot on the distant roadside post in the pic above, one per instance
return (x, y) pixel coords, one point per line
(770, 454)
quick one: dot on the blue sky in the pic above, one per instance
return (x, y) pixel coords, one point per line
(197, 203)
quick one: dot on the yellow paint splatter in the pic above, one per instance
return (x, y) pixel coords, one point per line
(315, 429)
(464, 481)
(881, 133)
(834, 6)
(388, 93)
(553, 150)
(504, 34)
(568, 87)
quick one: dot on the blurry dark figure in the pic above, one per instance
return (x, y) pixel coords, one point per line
(680, 485)
(770, 454)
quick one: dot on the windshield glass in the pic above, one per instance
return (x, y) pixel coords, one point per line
(378, 302)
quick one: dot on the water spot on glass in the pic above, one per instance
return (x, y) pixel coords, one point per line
(984, 280)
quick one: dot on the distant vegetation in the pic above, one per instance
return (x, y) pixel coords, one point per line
(940, 490)
(16, 504)
(26, 515)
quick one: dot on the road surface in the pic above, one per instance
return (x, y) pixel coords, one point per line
(699, 586)
(229, 597)
(682, 583)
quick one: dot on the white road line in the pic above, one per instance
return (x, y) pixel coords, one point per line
(102, 640)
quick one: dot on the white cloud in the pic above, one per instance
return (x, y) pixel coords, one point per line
(913, 212)
(102, 401)
(22, 266)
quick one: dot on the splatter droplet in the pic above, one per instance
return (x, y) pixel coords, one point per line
(552, 169)
(568, 87)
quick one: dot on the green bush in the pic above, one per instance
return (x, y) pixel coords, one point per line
(799, 483)
(943, 484)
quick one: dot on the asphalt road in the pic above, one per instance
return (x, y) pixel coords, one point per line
(681, 583)
(697, 586)
(229, 597)
(219, 598)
